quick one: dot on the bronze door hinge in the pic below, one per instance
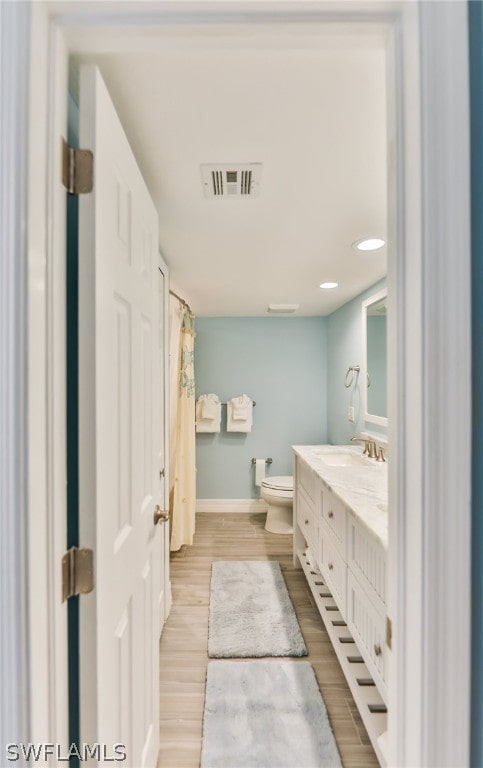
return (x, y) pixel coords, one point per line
(77, 572)
(77, 169)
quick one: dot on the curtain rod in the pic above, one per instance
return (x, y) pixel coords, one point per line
(185, 303)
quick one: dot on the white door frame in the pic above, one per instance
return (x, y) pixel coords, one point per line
(429, 415)
(14, 396)
(33, 658)
(46, 529)
(429, 275)
(168, 598)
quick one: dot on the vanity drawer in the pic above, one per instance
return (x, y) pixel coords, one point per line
(367, 560)
(334, 568)
(335, 515)
(307, 479)
(307, 522)
(368, 628)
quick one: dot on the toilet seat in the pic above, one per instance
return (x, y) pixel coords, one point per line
(282, 483)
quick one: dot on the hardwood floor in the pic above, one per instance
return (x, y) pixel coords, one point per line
(183, 647)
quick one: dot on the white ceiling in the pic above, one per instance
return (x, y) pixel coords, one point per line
(310, 105)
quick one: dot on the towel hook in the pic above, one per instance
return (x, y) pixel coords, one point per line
(354, 369)
(348, 380)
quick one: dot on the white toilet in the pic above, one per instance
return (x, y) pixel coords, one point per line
(278, 493)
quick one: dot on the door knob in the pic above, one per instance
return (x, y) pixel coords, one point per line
(160, 515)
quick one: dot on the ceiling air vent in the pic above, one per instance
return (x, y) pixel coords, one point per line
(236, 180)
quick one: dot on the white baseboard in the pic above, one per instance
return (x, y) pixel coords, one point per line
(231, 505)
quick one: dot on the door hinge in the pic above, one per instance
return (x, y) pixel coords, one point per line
(77, 169)
(77, 572)
(388, 632)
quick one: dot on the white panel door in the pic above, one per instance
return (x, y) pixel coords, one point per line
(120, 439)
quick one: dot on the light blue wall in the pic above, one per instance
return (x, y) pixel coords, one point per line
(475, 18)
(344, 343)
(281, 363)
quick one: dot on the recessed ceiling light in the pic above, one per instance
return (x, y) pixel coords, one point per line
(329, 285)
(369, 244)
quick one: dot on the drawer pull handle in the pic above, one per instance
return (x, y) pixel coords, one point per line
(331, 515)
(377, 649)
(306, 522)
(331, 567)
(377, 708)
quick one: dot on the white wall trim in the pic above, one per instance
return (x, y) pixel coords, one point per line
(429, 479)
(430, 420)
(230, 506)
(404, 383)
(56, 379)
(14, 121)
(47, 382)
(446, 438)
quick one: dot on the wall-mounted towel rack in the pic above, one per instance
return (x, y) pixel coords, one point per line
(253, 403)
(267, 461)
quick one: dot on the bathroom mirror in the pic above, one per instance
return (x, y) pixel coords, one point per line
(374, 358)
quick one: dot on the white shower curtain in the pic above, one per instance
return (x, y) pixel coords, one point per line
(182, 496)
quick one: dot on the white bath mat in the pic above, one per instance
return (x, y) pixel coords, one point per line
(251, 614)
(265, 714)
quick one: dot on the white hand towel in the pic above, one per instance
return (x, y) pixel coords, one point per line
(204, 424)
(241, 408)
(239, 414)
(210, 406)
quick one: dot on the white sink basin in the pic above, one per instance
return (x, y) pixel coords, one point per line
(334, 459)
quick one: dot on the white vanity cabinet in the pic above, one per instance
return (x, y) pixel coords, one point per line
(333, 545)
(306, 508)
(307, 521)
(345, 565)
(366, 600)
(334, 516)
(333, 567)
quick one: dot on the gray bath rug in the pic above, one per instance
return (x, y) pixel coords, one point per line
(251, 613)
(265, 714)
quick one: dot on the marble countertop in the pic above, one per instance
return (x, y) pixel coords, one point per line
(361, 486)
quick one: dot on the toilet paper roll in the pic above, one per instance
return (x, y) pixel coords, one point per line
(260, 467)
